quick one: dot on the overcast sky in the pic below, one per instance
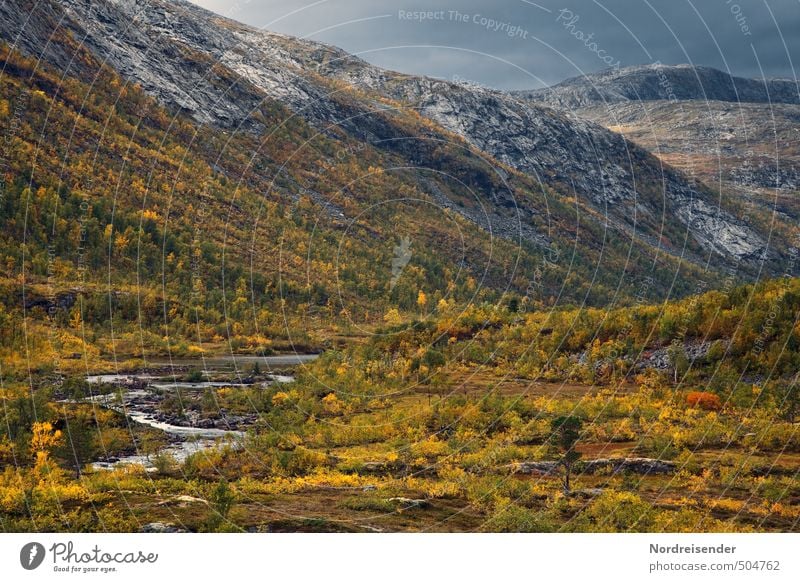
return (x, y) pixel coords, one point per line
(514, 44)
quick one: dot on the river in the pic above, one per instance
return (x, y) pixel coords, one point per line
(138, 396)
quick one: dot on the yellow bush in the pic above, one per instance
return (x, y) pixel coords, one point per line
(6, 450)
(43, 437)
(280, 399)
(331, 404)
(429, 448)
(12, 499)
(52, 495)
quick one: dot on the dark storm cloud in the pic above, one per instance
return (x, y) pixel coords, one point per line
(523, 44)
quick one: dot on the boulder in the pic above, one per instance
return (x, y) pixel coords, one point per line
(640, 465)
(406, 503)
(535, 467)
(160, 527)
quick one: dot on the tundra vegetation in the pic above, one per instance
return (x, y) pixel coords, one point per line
(482, 419)
(446, 399)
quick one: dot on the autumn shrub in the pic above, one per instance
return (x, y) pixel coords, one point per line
(165, 463)
(429, 448)
(53, 496)
(511, 518)
(12, 492)
(692, 520)
(704, 430)
(619, 511)
(774, 489)
(299, 461)
(132, 478)
(778, 436)
(704, 400)
(534, 432)
(105, 519)
(221, 499)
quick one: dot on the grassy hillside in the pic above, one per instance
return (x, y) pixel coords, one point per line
(117, 215)
(128, 230)
(454, 425)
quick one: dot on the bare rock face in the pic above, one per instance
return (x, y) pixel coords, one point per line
(639, 465)
(663, 83)
(659, 358)
(737, 134)
(559, 149)
(536, 467)
(642, 466)
(160, 527)
(749, 149)
(221, 72)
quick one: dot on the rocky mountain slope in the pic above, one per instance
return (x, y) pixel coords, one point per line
(737, 135)
(527, 173)
(749, 150)
(663, 83)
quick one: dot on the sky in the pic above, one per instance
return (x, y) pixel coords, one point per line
(521, 44)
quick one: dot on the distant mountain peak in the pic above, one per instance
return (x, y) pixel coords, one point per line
(659, 82)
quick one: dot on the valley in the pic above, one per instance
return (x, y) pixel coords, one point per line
(252, 283)
(407, 432)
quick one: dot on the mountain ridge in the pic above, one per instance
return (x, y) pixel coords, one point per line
(658, 82)
(520, 161)
(745, 147)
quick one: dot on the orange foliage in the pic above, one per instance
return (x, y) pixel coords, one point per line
(704, 400)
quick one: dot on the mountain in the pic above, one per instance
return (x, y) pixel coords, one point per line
(474, 265)
(238, 175)
(664, 83)
(218, 71)
(735, 134)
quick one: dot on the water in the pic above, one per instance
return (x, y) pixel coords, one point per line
(193, 439)
(140, 407)
(163, 382)
(237, 363)
(119, 379)
(196, 385)
(179, 451)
